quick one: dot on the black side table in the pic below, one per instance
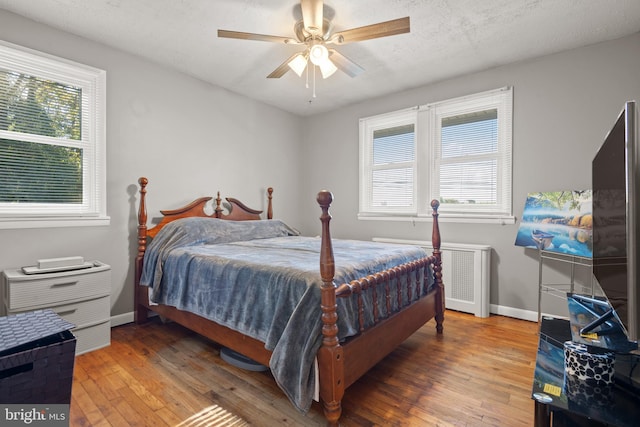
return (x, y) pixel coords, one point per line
(553, 407)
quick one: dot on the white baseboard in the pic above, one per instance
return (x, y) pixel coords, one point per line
(122, 319)
(517, 313)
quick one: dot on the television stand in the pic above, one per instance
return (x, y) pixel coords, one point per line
(555, 407)
(627, 374)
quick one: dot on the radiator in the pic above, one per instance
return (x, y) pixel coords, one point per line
(465, 273)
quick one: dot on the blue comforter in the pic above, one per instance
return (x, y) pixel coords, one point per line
(262, 278)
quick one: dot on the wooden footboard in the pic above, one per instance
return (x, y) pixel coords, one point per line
(340, 364)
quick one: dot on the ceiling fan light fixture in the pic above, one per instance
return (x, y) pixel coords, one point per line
(318, 54)
(298, 63)
(327, 68)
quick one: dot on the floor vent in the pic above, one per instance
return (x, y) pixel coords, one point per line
(465, 273)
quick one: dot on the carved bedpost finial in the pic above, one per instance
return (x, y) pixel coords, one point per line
(325, 198)
(218, 209)
(269, 203)
(435, 238)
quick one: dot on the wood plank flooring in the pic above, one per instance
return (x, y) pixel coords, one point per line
(478, 373)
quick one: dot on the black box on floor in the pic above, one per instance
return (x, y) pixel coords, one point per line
(37, 354)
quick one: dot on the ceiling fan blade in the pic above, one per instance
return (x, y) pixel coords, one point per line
(282, 68)
(381, 29)
(344, 64)
(253, 36)
(312, 16)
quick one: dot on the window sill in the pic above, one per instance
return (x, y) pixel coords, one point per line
(442, 218)
(11, 223)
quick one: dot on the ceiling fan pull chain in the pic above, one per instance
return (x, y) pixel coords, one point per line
(314, 80)
(307, 82)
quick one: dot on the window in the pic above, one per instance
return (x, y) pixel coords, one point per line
(388, 163)
(456, 151)
(52, 142)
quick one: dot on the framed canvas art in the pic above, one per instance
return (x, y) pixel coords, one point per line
(558, 221)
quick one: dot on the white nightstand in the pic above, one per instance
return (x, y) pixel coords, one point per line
(81, 297)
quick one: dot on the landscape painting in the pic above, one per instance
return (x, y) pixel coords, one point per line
(558, 221)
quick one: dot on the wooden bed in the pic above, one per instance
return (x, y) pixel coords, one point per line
(340, 364)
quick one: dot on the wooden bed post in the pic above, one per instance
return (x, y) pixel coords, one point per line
(140, 312)
(217, 213)
(437, 267)
(269, 203)
(330, 355)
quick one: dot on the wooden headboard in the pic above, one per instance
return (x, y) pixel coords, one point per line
(237, 211)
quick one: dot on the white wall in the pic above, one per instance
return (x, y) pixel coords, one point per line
(189, 138)
(564, 105)
(192, 139)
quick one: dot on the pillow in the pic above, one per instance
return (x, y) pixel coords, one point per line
(209, 231)
(205, 231)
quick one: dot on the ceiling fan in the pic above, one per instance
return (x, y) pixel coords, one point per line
(314, 31)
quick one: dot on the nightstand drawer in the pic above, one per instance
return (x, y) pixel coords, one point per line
(27, 292)
(92, 337)
(85, 313)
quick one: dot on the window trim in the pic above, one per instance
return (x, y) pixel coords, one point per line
(427, 128)
(500, 100)
(93, 80)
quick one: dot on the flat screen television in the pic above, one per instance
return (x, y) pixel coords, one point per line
(616, 220)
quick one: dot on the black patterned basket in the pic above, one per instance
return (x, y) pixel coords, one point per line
(37, 354)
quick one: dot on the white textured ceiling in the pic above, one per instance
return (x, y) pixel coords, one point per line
(448, 38)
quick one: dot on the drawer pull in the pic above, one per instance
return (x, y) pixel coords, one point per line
(59, 285)
(66, 313)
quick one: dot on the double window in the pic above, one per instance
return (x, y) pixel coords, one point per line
(456, 151)
(52, 141)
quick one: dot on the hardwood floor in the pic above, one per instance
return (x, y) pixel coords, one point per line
(478, 373)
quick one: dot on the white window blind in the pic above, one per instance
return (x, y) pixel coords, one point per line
(393, 159)
(52, 144)
(468, 165)
(389, 163)
(457, 151)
